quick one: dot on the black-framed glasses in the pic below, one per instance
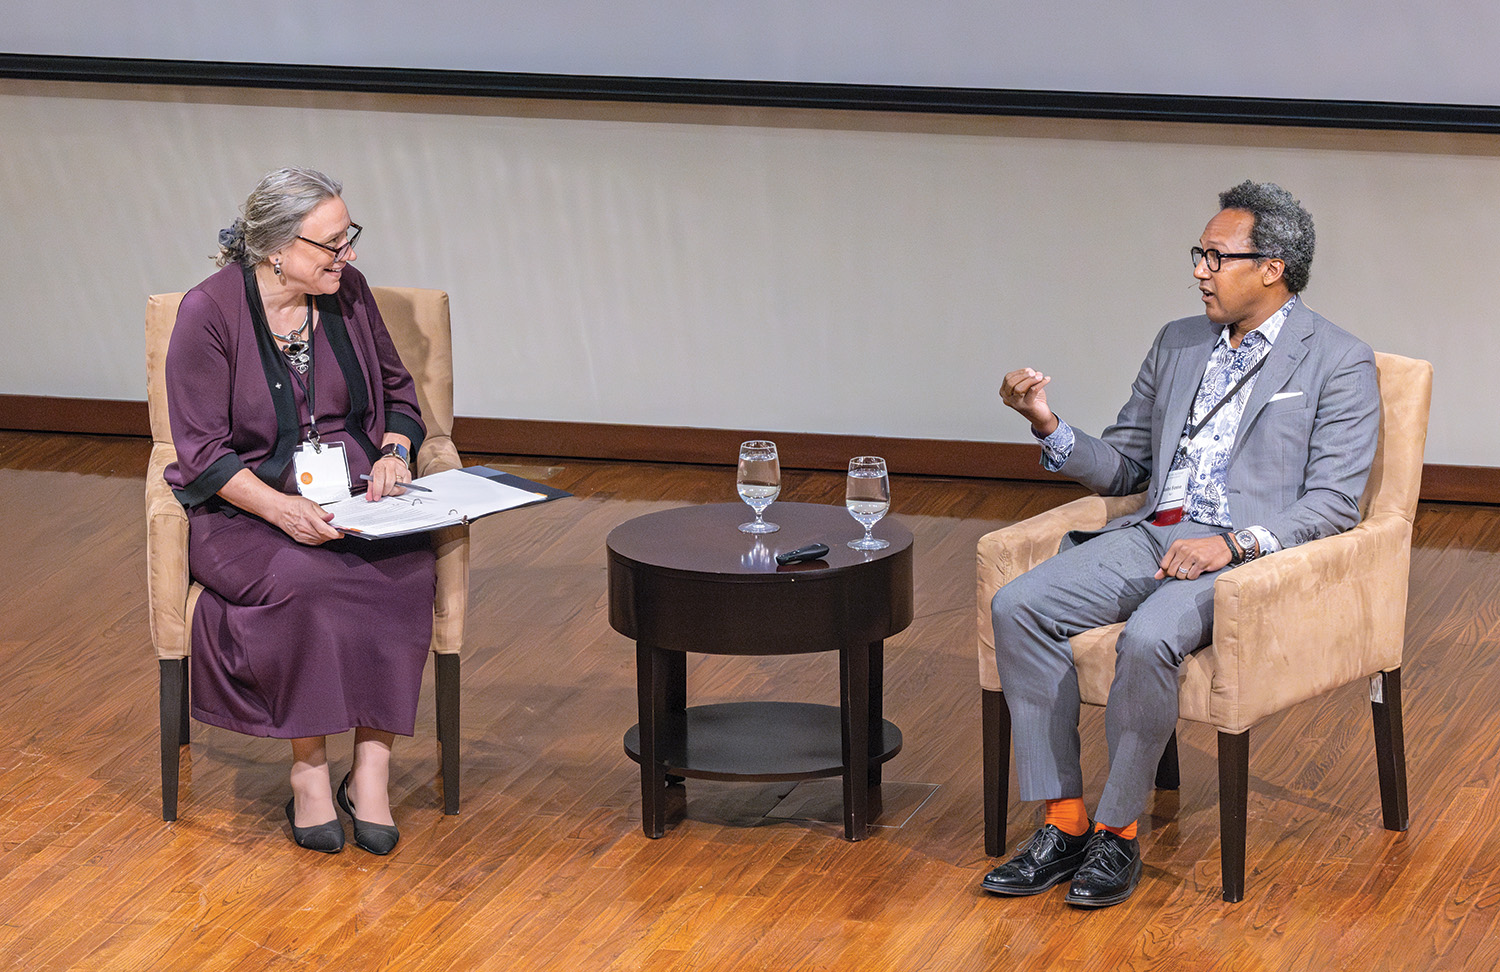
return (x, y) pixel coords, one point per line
(1215, 258)
(342, 250)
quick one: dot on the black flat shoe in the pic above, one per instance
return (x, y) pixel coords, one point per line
(326, 837)
(373, 837)
(1110, 871)
(1048, 858)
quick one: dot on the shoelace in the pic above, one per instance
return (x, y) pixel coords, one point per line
(1045, 840)
(1099, 854)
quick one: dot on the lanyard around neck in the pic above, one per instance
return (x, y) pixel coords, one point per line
(1193, 430)
(309, 392)
(308, 386)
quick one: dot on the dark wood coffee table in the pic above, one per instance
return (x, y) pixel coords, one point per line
(686, 580)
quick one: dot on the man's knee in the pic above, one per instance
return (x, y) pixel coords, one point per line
(1004, 603)
(1009, 607)
(1153, 645)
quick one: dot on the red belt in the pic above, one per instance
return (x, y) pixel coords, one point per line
(1167, 517)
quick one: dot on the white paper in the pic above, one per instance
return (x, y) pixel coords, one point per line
(455, 497)
(474, 496)
(388, 516)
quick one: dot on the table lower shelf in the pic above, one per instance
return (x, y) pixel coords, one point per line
(764, 741)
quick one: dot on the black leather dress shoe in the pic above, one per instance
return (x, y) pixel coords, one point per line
(1110, 871)
(373, 837)
(1049, 857)
(326, 837)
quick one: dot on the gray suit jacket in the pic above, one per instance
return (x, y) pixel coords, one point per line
(1299, 463)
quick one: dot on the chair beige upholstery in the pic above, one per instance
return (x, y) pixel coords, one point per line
(419, 326)
(1286, 628)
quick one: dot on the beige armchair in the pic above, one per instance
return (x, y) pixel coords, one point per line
(1287, 628)
(419, 326)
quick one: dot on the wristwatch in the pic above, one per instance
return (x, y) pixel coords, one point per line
(398, 450)
(1249, 546)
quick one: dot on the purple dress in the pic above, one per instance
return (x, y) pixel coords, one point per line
(292, 640)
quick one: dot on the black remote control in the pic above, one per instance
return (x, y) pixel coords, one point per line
(812, 551)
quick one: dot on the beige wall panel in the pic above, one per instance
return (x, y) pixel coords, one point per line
(838, 272)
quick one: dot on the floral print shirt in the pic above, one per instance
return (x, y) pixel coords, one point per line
(1206, 455)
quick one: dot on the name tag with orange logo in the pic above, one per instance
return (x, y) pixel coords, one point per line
(322, 471)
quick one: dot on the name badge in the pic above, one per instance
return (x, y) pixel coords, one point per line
(1173, 498)
(322, 471)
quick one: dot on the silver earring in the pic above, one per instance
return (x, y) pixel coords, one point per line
(276, 266)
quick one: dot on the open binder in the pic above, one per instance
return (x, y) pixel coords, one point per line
(454, 497)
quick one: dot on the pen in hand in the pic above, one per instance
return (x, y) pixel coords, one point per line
(420, 489)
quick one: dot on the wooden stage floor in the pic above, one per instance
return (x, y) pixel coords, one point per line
(546, 867)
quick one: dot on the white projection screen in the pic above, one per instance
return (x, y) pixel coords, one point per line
(614, 257)
(1363, 50)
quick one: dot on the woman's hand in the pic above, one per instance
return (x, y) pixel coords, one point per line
(296, 516)
(386, 477)
(304, 521)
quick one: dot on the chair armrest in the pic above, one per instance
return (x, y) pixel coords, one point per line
(1309, 619)
(166, 558)
(438, 454)
(1010, 551)
(452, 547)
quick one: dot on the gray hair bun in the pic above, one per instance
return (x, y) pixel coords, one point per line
(232, 243)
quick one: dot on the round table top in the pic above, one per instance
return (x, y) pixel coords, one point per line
(704, 540)
(686, 580)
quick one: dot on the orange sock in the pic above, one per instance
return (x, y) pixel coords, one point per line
(1125, 833)
(1068, 815)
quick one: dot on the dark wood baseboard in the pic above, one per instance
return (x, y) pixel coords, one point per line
(88, 416)
(798, 450)
(806, 450)
(647, 443)
(1460, 484)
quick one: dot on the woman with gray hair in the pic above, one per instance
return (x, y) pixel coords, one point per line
(283, 389)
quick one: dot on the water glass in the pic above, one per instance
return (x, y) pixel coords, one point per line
(759, 482)
(867, 494)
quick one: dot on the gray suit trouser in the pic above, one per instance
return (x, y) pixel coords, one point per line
(1107, 579)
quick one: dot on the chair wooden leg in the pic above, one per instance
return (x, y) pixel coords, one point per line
(184, 729)
(1390, 750)
(446, 666)
(173, 711)
(996, 770)
(1167, 775)
(1234, 794)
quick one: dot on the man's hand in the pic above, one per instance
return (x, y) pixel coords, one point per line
(1024, 391)
(1187, 559)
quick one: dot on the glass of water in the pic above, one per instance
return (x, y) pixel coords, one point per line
(867, 494)
(759, 482)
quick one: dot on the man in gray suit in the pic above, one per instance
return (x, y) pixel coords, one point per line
(1251, 429)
